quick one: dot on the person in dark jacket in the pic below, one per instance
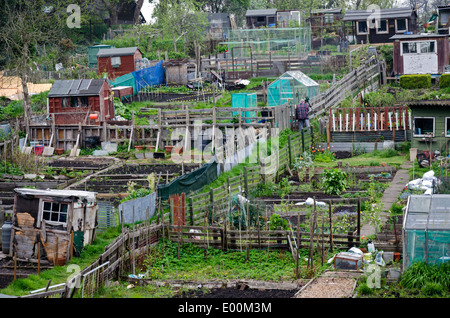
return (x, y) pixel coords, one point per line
(302, 113)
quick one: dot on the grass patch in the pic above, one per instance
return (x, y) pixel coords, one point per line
(60, 274)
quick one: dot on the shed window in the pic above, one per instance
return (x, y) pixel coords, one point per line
(64, 102)
(401, 25)
(427, 47)
(409, 47)
(382, 26)
(329, 18)
(361, 27)
(447, 126)
(55, 212)
(423, 126)
(115, 61)
(74, 102)
(84, 101)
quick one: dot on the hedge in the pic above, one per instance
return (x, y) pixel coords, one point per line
(415, 81)
(444, 81)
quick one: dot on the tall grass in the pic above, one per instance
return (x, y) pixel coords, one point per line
(419, 274)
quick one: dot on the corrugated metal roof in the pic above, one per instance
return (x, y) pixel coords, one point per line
(89, 196)
(262, 12)
(416, 36)
(117, 51)
(436, 102)
(334, 10)
(354, 15)
(84, 87)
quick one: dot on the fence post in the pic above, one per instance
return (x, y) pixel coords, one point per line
(290, 151)
(303, 140)
(246, 181)
(191, 210)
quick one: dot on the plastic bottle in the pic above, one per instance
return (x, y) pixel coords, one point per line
(370, 247)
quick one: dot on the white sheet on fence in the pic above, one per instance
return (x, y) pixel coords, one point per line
(241, 155)
(140, 208)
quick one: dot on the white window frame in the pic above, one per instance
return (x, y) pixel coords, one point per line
(41, 213)
(446, 127)
(115, 61)
(418, 46)
(414, 126)
(377, 22)
(357, 28)
(406, 25)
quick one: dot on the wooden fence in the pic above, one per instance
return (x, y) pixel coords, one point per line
(161, 126)
(361, 78)
(198, 205)
(370, 119)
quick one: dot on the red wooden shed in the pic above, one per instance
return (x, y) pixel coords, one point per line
(74, 101)
(420, 53)
(118, 61)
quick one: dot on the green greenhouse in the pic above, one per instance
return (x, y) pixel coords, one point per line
(426, 229)
(291, 87)
(244, 100)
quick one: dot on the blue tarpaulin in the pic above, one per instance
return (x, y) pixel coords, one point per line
(150, 76)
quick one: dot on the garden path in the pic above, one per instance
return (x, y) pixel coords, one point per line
(390, 196)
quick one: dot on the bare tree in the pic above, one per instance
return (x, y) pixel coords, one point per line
(27, 26)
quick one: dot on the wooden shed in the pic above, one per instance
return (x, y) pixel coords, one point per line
(73, 101)
(261, 18)
(52, 224)
(420, 53)
(430, 125)
(379, 26)
(118, 61)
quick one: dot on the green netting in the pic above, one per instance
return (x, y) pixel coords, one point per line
(278, 42)
(244, 100)
(432, 247)
(189, 182)
(290, 88)
(92, 54)
(125, 80)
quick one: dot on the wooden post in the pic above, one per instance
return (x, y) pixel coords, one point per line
(191, 210)
(246, 182)
(331, 226)
(55, 263)
(359, 218)
(290, 150)
(39, 257)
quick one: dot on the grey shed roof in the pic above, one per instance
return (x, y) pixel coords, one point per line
(262, 12)
(334, 10)
(416, 36)
(74, 194)
(123, 51)
(355, 15)
(83, 87)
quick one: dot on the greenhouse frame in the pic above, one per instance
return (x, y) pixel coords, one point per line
(426, 229)
(291, 87)
(274, 42)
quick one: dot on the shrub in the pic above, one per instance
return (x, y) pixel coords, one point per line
(364, 289)
(334, 181)
(415, 81)
(444, 81)
(432, 289)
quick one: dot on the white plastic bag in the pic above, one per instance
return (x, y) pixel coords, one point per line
(379, 259)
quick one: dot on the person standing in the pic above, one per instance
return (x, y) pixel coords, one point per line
(302, 114)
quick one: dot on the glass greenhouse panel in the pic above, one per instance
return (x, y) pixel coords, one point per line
(438, 247)
(416, 221)
(414, 247)
(419, 203)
